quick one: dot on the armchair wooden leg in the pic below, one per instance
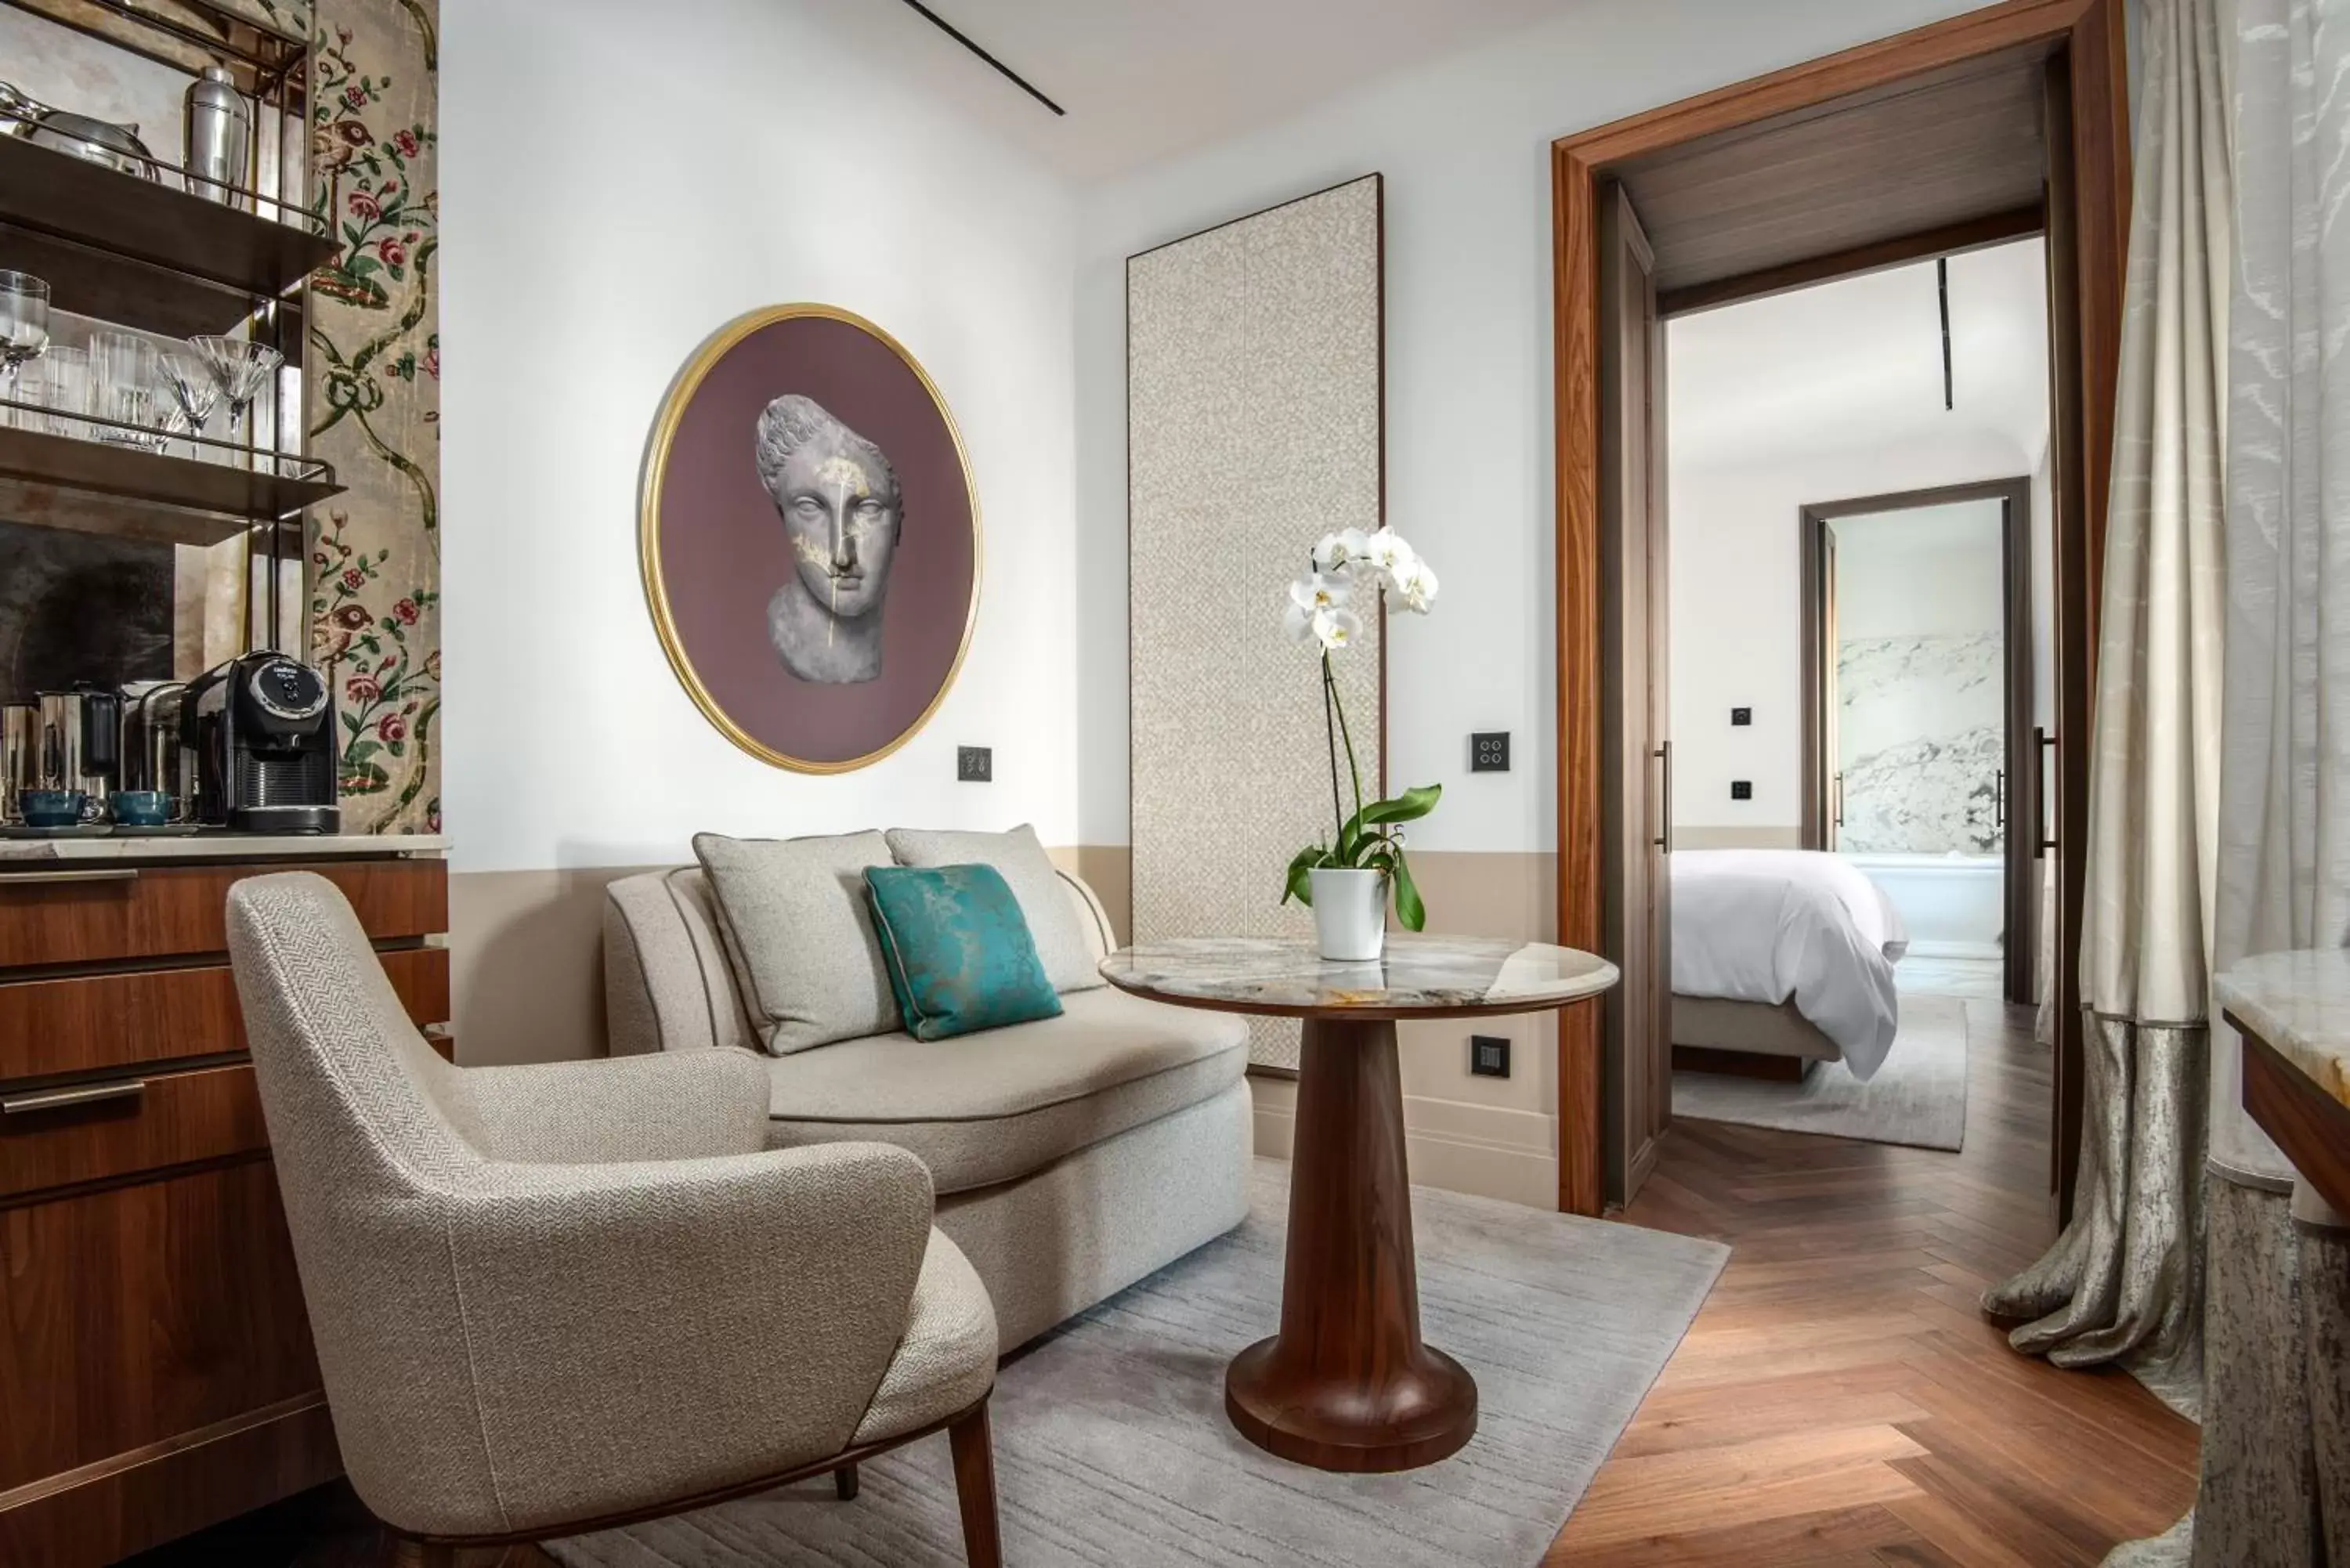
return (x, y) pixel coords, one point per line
(401, 1552)
(974, 1468)
(843, 1481)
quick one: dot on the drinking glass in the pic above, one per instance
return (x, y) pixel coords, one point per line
(67, 391)
(129, 373)
(30, 394)
(242, 367)
(194, 392)
(23, 325)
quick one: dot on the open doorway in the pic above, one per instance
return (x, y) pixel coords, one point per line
(1922, 720)
(2003, 122)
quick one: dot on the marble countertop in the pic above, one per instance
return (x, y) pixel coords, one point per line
(2299, 1003)
(130, 844)
(1428, 976)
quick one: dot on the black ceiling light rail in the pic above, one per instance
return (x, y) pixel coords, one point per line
(1942, 286)
(952, 31)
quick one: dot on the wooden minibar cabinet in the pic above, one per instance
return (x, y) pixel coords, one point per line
(156, 1369)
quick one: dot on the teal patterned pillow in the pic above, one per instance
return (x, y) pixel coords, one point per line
(958, 949)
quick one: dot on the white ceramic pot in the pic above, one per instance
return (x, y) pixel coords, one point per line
(1350, 914)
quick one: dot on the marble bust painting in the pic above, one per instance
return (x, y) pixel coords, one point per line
(782, 471)
(841, 508)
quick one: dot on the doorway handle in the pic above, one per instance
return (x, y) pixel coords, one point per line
(1664, 838)
(2042, 840)
(1999, 797)
(1839, 799)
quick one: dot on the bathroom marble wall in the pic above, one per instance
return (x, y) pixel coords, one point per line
(1920, 737)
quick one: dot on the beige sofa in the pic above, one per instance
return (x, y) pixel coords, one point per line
(1071, 1156)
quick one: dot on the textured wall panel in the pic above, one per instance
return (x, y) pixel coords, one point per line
(1254, 410)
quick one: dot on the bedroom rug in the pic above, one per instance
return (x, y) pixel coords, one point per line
(1111, 1445)
(1918, 1096)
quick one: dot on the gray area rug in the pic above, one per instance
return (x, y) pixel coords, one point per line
(1918, 1096)
(1111, 1445)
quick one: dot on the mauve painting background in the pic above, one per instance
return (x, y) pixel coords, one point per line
(723, 551)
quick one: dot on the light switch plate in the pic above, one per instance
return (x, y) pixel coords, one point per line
(1489, 1055)
(1489, 752)
(1741, 789)
(1741, 716)
(974, 765)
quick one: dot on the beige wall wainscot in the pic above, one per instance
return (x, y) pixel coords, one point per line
(1765, 836)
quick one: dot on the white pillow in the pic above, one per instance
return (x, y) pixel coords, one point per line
(799, 935)
(1020, 859)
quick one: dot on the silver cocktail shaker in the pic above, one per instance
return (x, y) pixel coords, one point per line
(219, 135)
(20, 756)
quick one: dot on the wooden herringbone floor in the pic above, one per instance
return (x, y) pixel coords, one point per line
(1840, 1401)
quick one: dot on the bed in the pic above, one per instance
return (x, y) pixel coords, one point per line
(1782, 958)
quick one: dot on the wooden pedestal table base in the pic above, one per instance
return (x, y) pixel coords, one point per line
(1347, 1385)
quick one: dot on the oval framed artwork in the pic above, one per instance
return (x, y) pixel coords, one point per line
(809, 537)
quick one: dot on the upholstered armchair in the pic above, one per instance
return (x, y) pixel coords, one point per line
(551, 1299)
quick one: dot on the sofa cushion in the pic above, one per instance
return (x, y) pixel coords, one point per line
(998, 1105)
(957, 949)
(799, 936)
(1019, 858)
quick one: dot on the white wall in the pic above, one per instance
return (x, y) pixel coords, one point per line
(617, 182)
(1736, 589)
(1464, 144)
(1927, 571)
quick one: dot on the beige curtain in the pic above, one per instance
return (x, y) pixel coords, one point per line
(2123, 1283)
(2275, 1487)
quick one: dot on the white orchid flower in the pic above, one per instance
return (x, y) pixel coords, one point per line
(1298, 623)
(1319, 591)
(1387, 551)
(1337, 551)
(1416, 587)
(1336, 629)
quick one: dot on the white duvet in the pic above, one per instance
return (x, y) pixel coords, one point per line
(1791, 925)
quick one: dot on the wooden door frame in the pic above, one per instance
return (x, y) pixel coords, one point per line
(2020, 835)
(2086, 35)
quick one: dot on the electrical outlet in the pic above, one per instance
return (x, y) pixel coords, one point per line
(1489, 752)
(1741, 789)
(1741, 716)
(1489, 1055)
(974, 765)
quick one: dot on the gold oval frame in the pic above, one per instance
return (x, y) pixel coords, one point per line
(672, 408)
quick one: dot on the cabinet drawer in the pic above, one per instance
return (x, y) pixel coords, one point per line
(120, 1126)
(93, 1023)
(132, 1316)
(108, 915)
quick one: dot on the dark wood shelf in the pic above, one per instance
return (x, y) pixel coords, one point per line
(107, 287)
(148, 224)
(61, 481)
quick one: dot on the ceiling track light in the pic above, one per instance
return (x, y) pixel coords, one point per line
(1942, 287)
(952, 31)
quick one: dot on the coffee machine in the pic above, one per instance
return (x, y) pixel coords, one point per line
(152, 757)
(80, 745)
(262, 730)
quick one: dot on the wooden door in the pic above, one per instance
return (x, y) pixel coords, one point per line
(2065, 805)
(1635, 754)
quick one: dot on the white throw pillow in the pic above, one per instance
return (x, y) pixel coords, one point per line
(799, 935)
(1020, 859)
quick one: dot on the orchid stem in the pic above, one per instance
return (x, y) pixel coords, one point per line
(1353, 771)
(1330, 740)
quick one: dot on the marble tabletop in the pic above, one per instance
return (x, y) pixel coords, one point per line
(2299, 1003)
(1420, 976)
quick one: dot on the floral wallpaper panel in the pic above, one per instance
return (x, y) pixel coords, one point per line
(372, 376)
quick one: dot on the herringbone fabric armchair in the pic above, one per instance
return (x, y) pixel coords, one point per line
(552, 1298)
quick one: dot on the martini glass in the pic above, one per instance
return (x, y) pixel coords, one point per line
(193, 389)
(23, 325)
(241, 368)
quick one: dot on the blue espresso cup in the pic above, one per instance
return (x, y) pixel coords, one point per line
(140, 807)
(50, 808)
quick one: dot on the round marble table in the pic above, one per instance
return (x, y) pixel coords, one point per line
(1347, 1384)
